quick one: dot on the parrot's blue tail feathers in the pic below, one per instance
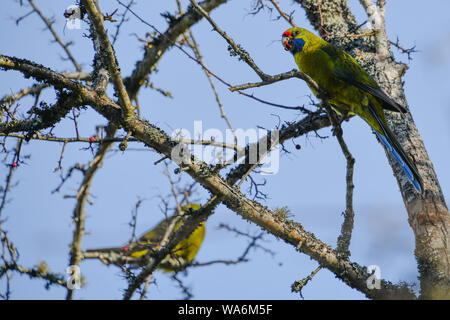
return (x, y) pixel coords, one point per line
(403, 165)
(394, 147)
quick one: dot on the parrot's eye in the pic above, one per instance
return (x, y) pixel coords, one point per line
(295, 33)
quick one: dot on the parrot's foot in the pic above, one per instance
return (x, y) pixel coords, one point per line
(337, 130)
(343, 117)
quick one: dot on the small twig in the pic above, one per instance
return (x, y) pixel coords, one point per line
(18, 20)
(49, 138)
(146, 285)
(68, 175)
(285, 16)
(133, 222)
(253, 243)
(79, 213)
(165, 93)
(280, 77)
(174, 194)
(236, 48)
(243, 257)
(161, 160)
(187, 293)
(8, 249)
(122, 21)
(109, 16)
(297, 286)
(10, 99)
(347, 227)
(408, 52)
(37, 273)
(59, 167)
(254, 185)
(8, 181)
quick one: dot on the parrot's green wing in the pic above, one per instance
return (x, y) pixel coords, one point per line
(347, 69)
(157, 233)
(183, 253)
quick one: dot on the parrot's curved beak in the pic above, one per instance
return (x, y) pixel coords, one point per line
(287, 43)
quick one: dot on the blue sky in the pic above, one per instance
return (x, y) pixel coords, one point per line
(310, 181)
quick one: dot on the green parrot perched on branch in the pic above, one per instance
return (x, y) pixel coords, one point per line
(351, 90)
(136, 252)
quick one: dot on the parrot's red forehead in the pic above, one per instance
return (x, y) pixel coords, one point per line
(287, 34)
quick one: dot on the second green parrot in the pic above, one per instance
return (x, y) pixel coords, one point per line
(136, 252)
(351, 90)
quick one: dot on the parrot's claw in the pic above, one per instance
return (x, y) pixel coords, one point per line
(343, 117)
(337, 130)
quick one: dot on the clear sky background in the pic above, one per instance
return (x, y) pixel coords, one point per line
(311, 181)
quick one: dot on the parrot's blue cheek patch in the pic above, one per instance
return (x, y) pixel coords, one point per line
(297, 45)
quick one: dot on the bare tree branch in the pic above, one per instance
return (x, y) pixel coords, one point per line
(79, 213)
(107, 56)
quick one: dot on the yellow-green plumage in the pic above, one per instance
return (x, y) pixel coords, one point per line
(351, 90)
(184, 252)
